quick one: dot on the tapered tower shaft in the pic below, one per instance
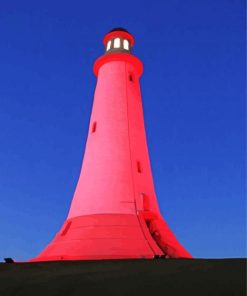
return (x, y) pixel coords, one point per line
(114, 212)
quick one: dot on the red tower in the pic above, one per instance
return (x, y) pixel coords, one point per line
(114, 213)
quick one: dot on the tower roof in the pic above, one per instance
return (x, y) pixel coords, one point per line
(119, 32)
(119, 29)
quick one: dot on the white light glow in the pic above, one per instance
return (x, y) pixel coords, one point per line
(108, 45)
(126, 44)
(117, 43)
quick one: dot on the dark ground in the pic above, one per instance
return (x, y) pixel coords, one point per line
(125, 277)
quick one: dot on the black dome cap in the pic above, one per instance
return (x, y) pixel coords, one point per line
(119, 29)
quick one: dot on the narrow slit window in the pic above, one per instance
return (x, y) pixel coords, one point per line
(126, 44)
(117, 43)
(94, 127)
(66, 229)
(139, 168)
(131, 77)
(108, 45)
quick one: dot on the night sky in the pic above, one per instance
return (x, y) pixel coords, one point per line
(193, 90)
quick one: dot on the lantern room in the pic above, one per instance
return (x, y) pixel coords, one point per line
(118, 40)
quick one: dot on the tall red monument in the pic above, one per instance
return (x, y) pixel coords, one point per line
(114, 213)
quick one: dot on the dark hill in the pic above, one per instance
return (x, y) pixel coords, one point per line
(125, 277)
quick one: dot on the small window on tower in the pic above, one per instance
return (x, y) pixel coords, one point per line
(108, 45)
(126, 44)
(117, 43)
(94, 127)
(139, 168)
(66, 228)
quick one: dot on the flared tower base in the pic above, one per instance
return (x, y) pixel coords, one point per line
(112, 236)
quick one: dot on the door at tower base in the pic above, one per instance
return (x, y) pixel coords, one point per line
(114, 213)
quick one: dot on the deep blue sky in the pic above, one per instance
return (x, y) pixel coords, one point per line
(193, 95)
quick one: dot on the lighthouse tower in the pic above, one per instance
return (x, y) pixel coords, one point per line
(114, 213)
